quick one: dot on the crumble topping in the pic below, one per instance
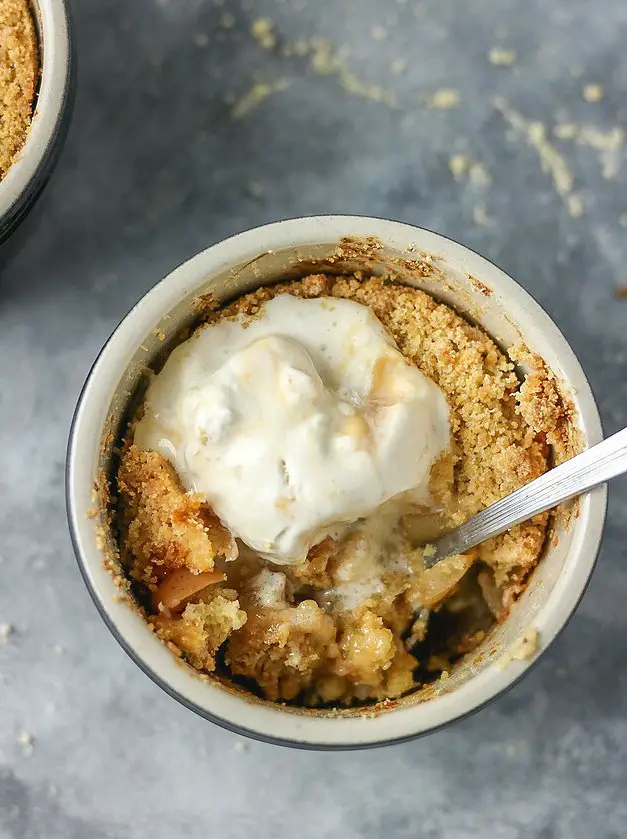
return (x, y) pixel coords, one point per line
(19, 75)
(168, 528)
(312, 633)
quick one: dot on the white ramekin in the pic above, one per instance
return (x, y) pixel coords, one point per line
(26, 178)
(479, 290)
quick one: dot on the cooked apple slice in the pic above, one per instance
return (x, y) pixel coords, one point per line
(180, 586)
(436, 583)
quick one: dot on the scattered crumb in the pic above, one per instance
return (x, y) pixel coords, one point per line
(6, 629)
(593, 92)
(479, 174)
(566, 131)
(524, 648)
(575, 206)
(262, 30)
(622, 219)
(240, 746)
(607, 143)
(551, 161)
(227, 21)
(379, 33)
(480, 216)
(511, 750)
(502, 57)
(621, 292)
(352, 84)
(444, 99)
(58, 649)
(201, 39)
(399, 65)
(528, 645)
(27, 742)
(52, 791)
(326, 60)
(258, 93)
(459, 164)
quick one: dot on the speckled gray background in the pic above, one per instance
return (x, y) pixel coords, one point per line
(155, 169)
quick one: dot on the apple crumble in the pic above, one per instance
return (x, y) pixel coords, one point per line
(19, 75)
(342, 614)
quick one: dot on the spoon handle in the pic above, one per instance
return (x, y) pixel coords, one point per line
(595, 466)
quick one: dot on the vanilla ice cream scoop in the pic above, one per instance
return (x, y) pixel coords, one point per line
(296, 423)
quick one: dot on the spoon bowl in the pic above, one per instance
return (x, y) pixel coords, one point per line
(587, 470)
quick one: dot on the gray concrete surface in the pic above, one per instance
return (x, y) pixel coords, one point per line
(155, 169)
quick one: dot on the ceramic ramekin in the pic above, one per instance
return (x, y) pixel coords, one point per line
(25, 180)
(476, 288)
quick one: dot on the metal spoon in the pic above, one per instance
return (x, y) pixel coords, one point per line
(587, 470)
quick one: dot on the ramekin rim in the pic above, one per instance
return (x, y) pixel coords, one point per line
(350, 222)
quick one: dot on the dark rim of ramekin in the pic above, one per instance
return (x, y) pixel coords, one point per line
(226, 724)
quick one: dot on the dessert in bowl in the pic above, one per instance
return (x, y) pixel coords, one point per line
(310, 404)
(36, 96)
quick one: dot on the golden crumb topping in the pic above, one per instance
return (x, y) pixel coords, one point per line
(282, 649)
(167, 527)
(203, 627)
(19, 74)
